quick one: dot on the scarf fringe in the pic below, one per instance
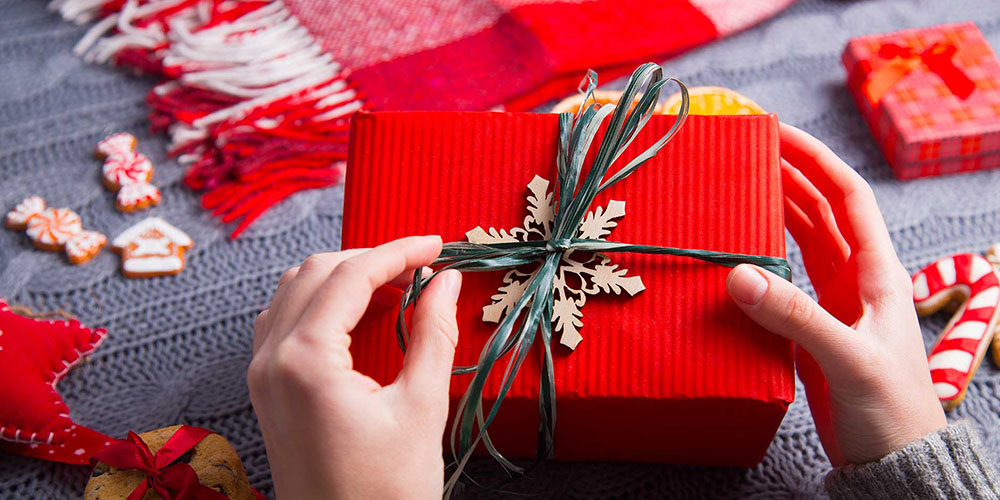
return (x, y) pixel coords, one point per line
(253, 105)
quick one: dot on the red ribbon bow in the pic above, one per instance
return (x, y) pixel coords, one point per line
(172, 482)
(899, 61)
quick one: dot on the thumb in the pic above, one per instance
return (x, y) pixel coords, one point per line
(427, 366)
(783, 309)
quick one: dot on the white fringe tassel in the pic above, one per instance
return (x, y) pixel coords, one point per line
(263, 56)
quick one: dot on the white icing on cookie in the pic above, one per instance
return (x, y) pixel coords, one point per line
(116, 143)
(947, 269)
(31, 206)
(131, 195)
(151, 246)
(127, 168)
(165, 228)
(54, 226)
(147, 265)
(84, 245)
(951, 360)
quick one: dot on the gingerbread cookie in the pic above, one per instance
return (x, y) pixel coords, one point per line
(213, 459)
(84, 245)
(17, 219)
(152, 247)
(50, 229)
(121, 169)
(121, 142)
(139, 196)
(970, 284)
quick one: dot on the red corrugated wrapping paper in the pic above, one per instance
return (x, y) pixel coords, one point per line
(931, 98)
(674, 374)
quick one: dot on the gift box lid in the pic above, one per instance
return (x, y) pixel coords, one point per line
(920, 119)
(680, 352)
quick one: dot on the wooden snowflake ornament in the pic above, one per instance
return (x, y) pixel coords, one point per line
(580, 273)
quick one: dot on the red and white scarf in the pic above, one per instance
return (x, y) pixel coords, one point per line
(257, 94)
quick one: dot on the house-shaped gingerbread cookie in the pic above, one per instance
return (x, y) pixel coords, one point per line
(152, 247)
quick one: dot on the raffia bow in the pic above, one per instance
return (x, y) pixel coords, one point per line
(532, 312)
(895, 61)
(172, 481)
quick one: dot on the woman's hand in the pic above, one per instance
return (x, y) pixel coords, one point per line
(864, 365)
(334, 433)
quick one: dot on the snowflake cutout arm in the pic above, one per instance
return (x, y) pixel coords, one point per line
(594, 273)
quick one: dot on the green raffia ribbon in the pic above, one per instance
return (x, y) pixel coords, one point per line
(532, 314)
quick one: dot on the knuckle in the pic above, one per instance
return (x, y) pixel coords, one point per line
(288, 276)
(860, 187)
(256, 374)
(342, 341)
(352, 269)
(260, 320)
(312, 262)
(348, 267)
(317, 261)
(822, 206)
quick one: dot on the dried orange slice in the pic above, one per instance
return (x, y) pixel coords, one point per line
(714, 101)
(572, 103)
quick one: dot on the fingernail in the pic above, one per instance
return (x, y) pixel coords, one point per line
(426, 271)
(452, 283)
(433, 237)
(747, 285)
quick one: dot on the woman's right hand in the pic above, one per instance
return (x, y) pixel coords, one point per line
(859, 349)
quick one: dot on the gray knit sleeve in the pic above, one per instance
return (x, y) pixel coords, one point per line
(948, 464)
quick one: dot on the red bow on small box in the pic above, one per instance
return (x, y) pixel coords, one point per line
(172, 482)
(896, 61)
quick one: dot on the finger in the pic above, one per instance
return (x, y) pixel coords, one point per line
(855, 209)
(287, 307)
(405, 278)
(814, 206)
(781, 308)
(339, 302)
(849, 195)
(282, 288)
(820, 266)
(426, 371)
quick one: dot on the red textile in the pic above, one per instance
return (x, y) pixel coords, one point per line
(34, 355)
(258, 95)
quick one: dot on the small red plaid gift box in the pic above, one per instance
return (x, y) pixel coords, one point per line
(931, 98)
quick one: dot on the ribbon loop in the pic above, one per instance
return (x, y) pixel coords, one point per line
(896, 61)
(172, 482)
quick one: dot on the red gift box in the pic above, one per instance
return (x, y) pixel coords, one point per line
(930, 97)
(673, 374)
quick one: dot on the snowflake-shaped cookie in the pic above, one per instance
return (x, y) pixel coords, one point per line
(580, 273)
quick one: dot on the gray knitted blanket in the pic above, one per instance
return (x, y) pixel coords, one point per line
(179, 347)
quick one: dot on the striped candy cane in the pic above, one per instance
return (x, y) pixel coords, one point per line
(972, 283)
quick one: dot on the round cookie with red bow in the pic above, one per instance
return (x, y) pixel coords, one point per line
(176, 458)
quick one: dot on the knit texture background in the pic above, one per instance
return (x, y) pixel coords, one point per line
(179, 347)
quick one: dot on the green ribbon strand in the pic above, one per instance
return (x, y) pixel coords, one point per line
(531, 315)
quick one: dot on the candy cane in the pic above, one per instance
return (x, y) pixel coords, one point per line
(973, 283)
